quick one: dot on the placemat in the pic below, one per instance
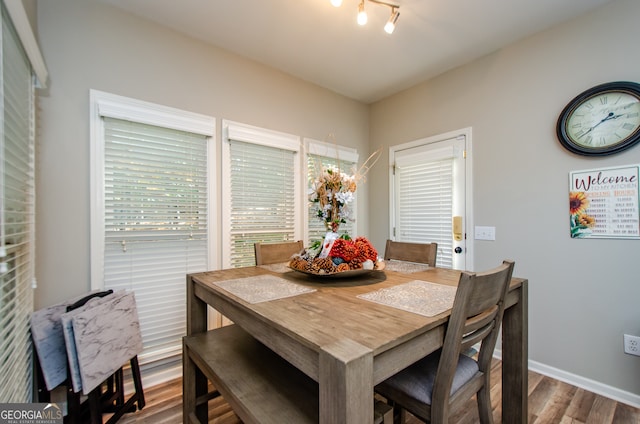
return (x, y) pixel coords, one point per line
(281, 267)
(263, 288)
(417, 296)
(404, 267)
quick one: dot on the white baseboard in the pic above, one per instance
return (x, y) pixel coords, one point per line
(593, 386)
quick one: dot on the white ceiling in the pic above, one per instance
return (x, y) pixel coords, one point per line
(319, 43)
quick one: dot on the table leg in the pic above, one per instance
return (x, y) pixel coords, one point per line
(346, 383)
(515, 358)
(194, 383)
(194, 387)
(196, 310)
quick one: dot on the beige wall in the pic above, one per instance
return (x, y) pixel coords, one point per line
(584, 294)
(90, 46)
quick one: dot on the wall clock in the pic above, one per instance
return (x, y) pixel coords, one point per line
(602, 120)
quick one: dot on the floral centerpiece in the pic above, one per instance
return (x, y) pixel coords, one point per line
(333, 191)
(344, 255)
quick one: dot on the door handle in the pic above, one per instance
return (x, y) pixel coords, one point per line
(457, 228)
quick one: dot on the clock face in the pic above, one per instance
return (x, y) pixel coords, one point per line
(602, 120)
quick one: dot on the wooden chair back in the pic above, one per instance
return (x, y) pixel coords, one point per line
(272, 253)
(476, 317)
(424, 253)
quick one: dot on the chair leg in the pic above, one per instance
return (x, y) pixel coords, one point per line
(95, 405)
(399, 415)
(137, 382)
(74, 408)
(484, 405)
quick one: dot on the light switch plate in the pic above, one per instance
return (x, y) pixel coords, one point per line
(485, 233)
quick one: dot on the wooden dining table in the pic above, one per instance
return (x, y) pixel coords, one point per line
(348, 343)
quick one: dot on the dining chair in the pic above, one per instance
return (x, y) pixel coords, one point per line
(424, 253)
(273, 253)
(436, 386)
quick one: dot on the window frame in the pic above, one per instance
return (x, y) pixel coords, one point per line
(120, 107)
(237, 131)
(159, 365)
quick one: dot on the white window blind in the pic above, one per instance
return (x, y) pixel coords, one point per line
(16, 218)
(262, 198)
(150, 219)
(324, 155)
(155, 223)
(260, 191)
(424, 200)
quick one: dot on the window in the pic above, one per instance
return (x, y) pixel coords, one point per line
(150, 216)
(260, 190)
(319, 155)
(17, 245)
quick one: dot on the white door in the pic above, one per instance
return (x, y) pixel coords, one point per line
(430, 195)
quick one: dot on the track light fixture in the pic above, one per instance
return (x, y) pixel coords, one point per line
(362, 14)
(389, 27)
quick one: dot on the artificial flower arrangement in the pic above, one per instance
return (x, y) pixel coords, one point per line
(345, 254)
(333, 191)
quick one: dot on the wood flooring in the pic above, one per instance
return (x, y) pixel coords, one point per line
(550, 401)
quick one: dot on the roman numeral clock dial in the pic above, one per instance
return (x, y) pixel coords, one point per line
(602, 120)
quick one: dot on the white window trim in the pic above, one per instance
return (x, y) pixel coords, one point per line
(322, 148)
(331, 150)
(251, 134)
(111, 105)
(21, 23)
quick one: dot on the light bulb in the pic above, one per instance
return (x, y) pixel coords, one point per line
(362, 15)
(390, 26)
(336, 3)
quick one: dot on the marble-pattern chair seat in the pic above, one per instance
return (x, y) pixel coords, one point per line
(104, 334)
(48, 340)
(89, 345)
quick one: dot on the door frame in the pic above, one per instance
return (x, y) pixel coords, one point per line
(468, 197)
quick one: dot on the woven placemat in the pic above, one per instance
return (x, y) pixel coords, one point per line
(417, 296)
(404, 267)
(262, 288)
(279, 267)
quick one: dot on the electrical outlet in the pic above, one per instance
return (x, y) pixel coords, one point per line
(632, 345)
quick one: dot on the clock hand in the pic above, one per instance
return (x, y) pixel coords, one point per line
(609, 117)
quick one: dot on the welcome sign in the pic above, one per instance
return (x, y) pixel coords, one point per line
(603, 203)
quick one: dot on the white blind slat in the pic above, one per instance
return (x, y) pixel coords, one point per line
(16, 217)
(262, 181)
(155, 223)
(425, 203)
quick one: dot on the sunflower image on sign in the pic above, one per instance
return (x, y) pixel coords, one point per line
(581, 222)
